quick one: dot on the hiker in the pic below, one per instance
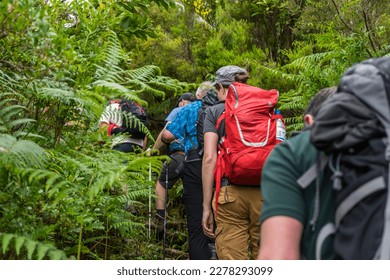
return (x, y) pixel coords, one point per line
(286, 215)
(128, 134)
(183, 130)
(236, 205)
(174, 167)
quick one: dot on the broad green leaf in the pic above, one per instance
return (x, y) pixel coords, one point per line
(30, 246)
(6, 240)
(19, 241)
(42, 250)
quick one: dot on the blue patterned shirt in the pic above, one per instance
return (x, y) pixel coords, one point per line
(174, 146)
(183, 127)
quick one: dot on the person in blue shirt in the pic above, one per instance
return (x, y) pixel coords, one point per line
(183, 130)
(172, 170)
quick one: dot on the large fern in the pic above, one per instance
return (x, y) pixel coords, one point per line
(13, 118)
(25, 247)
(20, 153)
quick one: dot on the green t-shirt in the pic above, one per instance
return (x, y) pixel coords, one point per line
(283, 196)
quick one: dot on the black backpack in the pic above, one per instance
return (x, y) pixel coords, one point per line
(352, 129)
(134, 119)
(208, 100)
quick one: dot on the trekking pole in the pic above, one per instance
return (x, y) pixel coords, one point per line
(165, 211)
(150, 199)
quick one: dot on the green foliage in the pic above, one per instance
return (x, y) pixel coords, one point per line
(65, 196)
(60, 186)
(310, 71)
(24, 246)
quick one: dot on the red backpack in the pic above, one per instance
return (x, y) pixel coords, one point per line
(251, 127)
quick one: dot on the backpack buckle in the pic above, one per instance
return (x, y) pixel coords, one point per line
(387, 152)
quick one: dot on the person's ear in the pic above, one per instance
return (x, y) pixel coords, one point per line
(308, 119)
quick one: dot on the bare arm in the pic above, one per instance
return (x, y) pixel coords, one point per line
(145, 142)
(208, 166)
(167, 136)
(280, 239)
(159, 144)
(103, 124)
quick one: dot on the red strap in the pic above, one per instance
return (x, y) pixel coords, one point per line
(111, 126)
(218, 174)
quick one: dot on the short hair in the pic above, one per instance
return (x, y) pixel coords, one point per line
(203, 89)
(316, 102)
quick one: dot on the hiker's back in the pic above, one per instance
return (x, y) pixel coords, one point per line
(127, 123)
(353, 129)
(298, 156)
(134, 119)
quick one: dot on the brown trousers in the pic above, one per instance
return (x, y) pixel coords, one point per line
(237, 220)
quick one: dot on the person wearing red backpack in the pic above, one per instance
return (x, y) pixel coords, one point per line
(230, 129)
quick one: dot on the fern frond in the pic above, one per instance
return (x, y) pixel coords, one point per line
(109, 58)
(50, 180)
(66, 97)
(12, 120)
(127, 225)
(292, 102)
(114, 74)
(282, 75)
(6, 82)
(132, 195)
(172, 85)
(112, 86)
(40, 249)
(144, 74)
(294, 120)
(139, 87)
(21, 153)
(310, 60)
(295, 127)
(132, 121)
(105, 180)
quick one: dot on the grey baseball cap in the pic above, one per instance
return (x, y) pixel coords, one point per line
(225, 75)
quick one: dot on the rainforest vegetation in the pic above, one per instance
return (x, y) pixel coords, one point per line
(62, 194)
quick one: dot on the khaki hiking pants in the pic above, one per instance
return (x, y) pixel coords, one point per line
(237, 220)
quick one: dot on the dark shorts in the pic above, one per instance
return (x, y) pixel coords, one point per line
(128, 148)
(175, 170)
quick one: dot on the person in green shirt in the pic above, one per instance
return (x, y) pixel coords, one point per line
(296, 222)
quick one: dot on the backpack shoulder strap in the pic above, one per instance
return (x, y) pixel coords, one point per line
(219, 120)
(311, 174)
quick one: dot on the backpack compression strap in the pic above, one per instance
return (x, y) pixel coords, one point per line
(220, 166)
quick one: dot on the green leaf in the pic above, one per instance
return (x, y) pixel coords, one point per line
(42, 250)
(30, 246)
(19, 243)
(56, 255)
(6, 240)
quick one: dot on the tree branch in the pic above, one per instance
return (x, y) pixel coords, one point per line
(11, 65)
(339, 15)
(365, 16)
